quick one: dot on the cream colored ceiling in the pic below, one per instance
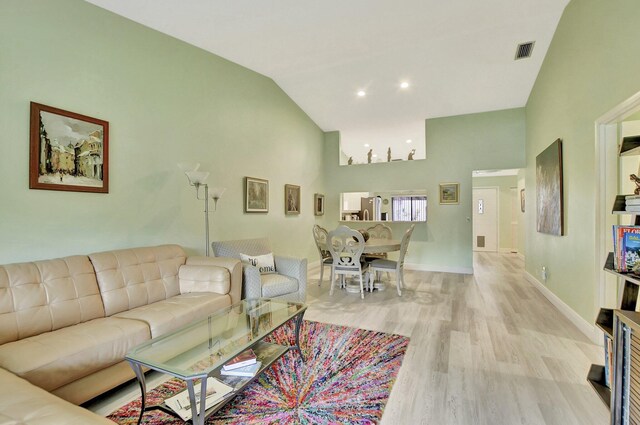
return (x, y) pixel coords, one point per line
(458, 56)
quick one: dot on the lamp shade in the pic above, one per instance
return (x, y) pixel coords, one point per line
(216, 192)
(197, 177)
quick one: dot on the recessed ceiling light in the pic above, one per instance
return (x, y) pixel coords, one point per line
(366, 145)
(362, 93)
(404, 85)
(408, 140)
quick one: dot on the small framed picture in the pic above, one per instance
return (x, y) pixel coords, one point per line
(256, 195)
(68, 151)
(291, 199)
(318, 204)
(522, 200)
(449, 193)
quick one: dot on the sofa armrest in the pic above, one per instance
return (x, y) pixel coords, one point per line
(296, 268)
(197, 269)
(252, 282)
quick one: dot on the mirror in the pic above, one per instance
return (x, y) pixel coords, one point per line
(385, 206)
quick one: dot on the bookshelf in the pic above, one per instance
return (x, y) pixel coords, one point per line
(609, 321)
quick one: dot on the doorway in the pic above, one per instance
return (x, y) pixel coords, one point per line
(485, 219)
(498, 211)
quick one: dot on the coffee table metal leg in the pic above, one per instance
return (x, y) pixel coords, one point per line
(137, 369)
(198, 419)
(298, 324)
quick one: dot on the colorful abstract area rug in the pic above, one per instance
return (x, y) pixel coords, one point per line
(346, 379)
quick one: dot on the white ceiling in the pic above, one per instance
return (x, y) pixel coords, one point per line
(457, 55)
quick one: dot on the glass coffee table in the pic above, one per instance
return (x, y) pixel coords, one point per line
(198, 351)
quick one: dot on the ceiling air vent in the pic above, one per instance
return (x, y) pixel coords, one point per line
(524, 50)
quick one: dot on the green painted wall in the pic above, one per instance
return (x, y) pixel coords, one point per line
(455, 147)
(166, 101)
(592, 65)
(504, 184)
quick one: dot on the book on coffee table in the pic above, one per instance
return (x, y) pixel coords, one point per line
(248, 371)
(245, 358)
(181, 404)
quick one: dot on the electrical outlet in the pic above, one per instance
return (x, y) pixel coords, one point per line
(544, 273)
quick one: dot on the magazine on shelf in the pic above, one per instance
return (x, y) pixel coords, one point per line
(181, 404)
(248, 371)
(631, 254)
(625, 256)
(246, 358)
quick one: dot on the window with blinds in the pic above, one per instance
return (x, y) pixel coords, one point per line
(409, 208)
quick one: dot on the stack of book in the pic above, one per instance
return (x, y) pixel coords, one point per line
(180, 403)
(632, 203)
(626, 248)
(608, 361)
(244, 364)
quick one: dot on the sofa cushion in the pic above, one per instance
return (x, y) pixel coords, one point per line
(167, 315)
(43, 296)
(130, 278)
(275, 285)
(204, 279)
(23, 403)
(53, 359)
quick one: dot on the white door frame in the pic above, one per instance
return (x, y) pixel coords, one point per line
(603, 126)
(497, 189)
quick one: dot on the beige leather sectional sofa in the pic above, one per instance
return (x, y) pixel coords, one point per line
(67, 323)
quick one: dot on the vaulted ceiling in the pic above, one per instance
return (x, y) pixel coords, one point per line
(456, 56)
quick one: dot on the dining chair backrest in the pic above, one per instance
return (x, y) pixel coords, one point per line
(346, 247)
(405, 244)
(380, 231)
(320, 235)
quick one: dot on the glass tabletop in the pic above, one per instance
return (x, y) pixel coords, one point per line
(199, 348)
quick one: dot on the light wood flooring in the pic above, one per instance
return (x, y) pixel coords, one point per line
(486, 349)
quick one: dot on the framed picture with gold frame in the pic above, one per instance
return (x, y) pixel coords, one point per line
(256, 195)
(449, 193)
(291, 199)
(318, 204)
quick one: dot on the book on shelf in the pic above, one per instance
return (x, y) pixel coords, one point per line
(631, 197)
(632, 202)
(626, 247)
(246, 358)
(607, 370)
(632, 208)
(180, 403)
(248, 371)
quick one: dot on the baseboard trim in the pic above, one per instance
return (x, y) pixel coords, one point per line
(443, 269)
(507, 251)
(591, 331)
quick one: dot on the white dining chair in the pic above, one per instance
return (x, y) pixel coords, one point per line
(379, 231)
(397, 267)
(320, 236)
(346, 246)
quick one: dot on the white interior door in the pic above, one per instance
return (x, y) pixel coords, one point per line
(515, 210)
(485, 219)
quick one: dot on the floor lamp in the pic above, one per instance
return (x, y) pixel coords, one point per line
(197, 179)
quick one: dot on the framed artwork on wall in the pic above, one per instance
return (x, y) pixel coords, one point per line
(68, 151)
(291, 199)
(449, 193)
(256, 195)
(549, 191)
(318, 204)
